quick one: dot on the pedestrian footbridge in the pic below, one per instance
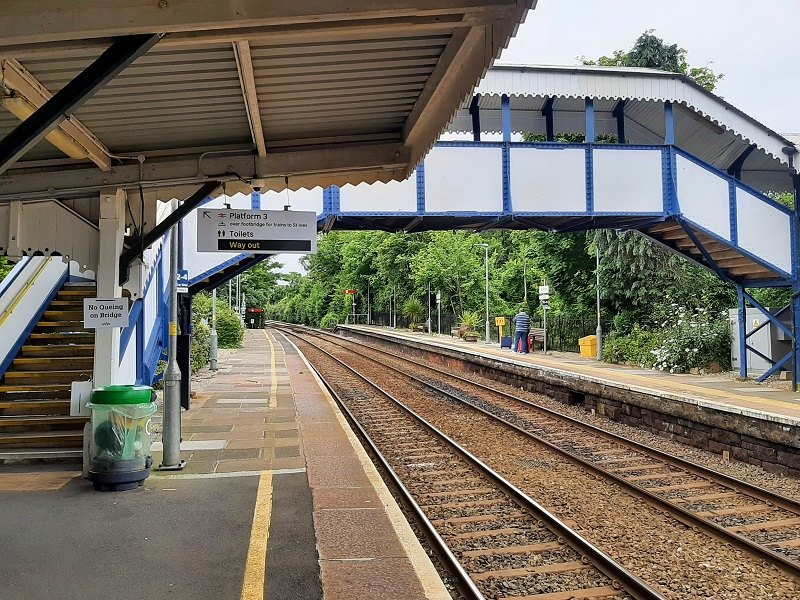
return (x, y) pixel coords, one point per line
(646, 151)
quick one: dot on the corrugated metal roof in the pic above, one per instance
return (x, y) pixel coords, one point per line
(395, 76)
(705, 125)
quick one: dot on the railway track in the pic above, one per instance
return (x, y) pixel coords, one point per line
(493, 538)
(755, 519)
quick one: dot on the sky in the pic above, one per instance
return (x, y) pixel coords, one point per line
(749, 41)
(753, 43)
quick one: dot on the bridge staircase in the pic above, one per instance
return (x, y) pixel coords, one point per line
(35, 391)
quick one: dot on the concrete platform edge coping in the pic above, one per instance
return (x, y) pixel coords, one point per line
(552, 371)
(423, 567)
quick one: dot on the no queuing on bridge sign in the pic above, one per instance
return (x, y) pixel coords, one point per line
(256, 231)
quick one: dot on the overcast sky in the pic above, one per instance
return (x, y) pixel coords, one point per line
(754, 43)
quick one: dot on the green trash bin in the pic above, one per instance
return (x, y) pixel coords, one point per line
(119, 455)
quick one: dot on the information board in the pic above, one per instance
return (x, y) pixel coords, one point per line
(256, 231)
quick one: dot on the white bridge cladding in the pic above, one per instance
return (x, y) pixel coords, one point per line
(581, 183)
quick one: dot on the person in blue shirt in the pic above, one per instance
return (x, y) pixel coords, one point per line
(523, 326)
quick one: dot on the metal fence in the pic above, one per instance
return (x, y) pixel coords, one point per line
(563, 331)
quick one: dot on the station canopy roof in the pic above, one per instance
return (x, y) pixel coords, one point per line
(322, 92)
(705, 125)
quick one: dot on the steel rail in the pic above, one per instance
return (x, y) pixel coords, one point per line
(687, 517)
(600, 560)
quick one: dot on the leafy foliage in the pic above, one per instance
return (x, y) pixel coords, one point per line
(413, 311)
(5, 267)
(650, 51)
(230, 331)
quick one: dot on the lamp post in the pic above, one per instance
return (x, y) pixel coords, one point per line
(486, 262)
(599, 330)
(525, 279)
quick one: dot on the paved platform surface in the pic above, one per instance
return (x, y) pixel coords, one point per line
(278, 501)
(724, 393)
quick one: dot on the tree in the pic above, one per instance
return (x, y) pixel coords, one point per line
(259, 282)
(651, 52)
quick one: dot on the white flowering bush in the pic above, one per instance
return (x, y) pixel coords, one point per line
(685, 339)
(692, 339)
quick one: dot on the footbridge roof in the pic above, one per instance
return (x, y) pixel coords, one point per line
(706, 125)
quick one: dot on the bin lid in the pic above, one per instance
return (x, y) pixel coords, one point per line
(122, 394)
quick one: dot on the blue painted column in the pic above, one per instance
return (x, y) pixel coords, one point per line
(619, 115)
(742, 333)
(255, 200)
(796, 280)
(505, 106)
(421, 188)
(590, 139)
(669, 124)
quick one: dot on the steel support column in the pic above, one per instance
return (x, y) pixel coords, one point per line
(669, 124)
(795, 279)
(185, 347)
(619, 115)
(31, 131)
(547, 112)
(138, 246)
(475, 113)
(505, 106)
(742, 333)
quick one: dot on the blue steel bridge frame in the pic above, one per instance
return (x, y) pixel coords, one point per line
(333, 217)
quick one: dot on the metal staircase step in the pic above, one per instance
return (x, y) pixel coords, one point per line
(34, 378)
(53, 363)
(40, 423)
(33, 407)
(64, 350)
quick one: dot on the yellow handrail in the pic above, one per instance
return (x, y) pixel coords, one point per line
(21, 294)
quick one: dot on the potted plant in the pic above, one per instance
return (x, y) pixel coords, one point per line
(414, 312)
(469, 321)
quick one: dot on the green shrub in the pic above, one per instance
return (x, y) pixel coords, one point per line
(230, 331)
(413, 311)
(201, 336)
(689, 339)
(693, 339)
(329, 321)
(635, 348)
(469, 318)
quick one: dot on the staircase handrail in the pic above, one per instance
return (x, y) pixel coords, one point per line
(9, 310)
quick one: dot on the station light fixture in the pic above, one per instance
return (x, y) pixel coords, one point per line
(22, 109)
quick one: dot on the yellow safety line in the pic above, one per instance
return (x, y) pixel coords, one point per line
(273, 391)
(255, 572)
(21, 294)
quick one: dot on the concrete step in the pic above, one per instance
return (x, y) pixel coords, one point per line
(43, 439)
(74, 350)
(53, 363)
(34, 407)
(68, 293)
(60, 337)
(38, 455)
(67, 305)
(36, 378)
(53, 391)
(60, 327)
(60, 314)
(41, 423)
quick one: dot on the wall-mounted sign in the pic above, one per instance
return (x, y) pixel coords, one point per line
(256, 231)
(105, 314)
